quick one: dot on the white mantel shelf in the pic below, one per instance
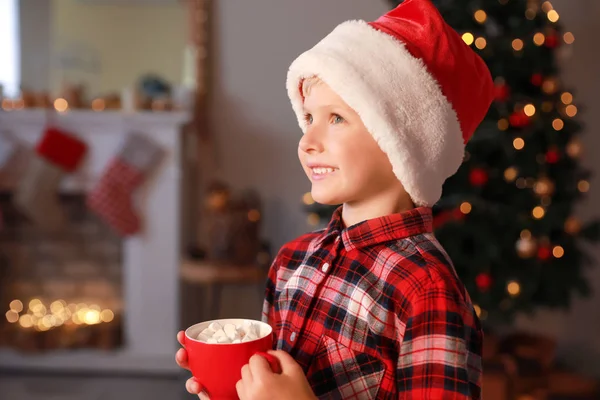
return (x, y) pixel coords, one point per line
(103, 131)
(151, 260)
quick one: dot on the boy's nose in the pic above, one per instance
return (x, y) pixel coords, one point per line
(311, 141)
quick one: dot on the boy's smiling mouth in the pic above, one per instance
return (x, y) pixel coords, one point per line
(320, 171)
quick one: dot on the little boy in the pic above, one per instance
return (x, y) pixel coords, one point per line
(371, 307)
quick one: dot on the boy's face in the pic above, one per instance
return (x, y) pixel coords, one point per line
(339, 155)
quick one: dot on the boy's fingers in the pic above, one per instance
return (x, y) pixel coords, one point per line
(203, 396)
(181, 358)
(180, 338)
(286, 361)
(192, 386)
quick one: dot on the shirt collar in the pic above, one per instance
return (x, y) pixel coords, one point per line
(379, 230)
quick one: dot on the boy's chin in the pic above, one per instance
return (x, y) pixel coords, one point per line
(327, 199)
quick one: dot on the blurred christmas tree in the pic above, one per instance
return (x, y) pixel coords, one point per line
(506, 218)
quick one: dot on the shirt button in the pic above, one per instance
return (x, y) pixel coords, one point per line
(293, 336)
(325, 267)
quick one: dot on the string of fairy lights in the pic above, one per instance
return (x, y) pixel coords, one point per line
(527, 246)
(42, 316)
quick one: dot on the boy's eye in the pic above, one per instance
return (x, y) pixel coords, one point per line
(308, 118)
(337, 119)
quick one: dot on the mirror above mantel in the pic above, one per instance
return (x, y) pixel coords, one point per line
(104, 48)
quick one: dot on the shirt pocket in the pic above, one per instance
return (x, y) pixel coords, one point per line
(338, 372)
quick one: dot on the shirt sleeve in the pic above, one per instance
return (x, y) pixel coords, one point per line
(268, 310)
(440, 353)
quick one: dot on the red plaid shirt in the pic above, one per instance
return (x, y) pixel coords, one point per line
(376, 311)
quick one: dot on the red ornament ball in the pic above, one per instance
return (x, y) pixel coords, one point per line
(519, 119)
(478, 177)
(551, 41)
(483, 281)
(537, 79)
(552, 156)
(544, 253)
(501, 92)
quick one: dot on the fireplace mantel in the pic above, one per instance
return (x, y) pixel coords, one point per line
(151, 259)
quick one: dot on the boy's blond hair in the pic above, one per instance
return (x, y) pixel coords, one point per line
(309, 83)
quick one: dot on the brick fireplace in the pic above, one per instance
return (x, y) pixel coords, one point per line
(68, 282)
(86, 298)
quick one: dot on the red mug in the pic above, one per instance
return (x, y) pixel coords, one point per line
(217, 367)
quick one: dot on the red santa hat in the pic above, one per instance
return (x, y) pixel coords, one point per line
(418, 88)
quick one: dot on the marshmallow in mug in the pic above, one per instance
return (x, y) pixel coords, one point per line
(230, 333)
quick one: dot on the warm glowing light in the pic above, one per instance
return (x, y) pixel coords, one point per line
(33, 303)
(553, 16)
(558, 252)
(547, 6)
(518, 143)
(480, 43)
(510, 174)
(253, 215)
(549, 86)
(538, 212)
(525, 234)
(16, 306)
(107, 315)
(48, 321)
(558, 124)
(61, 105)
(41, 326)
(26, 321)
(39, 310)
(517, 45)
(477, 309)
(56, 307)
(569, 38)
(468, 38)
(513, 288)
(583, 186)
(539, 39)
(480, 16)
(313, 219)
(503, 124)
(566, 98)
(465, 208)
(91, 317)
(571, 110)
(76, 319)
(307, 199)
(12, 316)
(530, 14)
(572, 225)
(529, 110)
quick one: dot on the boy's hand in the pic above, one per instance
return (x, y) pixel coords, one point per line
(260, 383)
(191, 385)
